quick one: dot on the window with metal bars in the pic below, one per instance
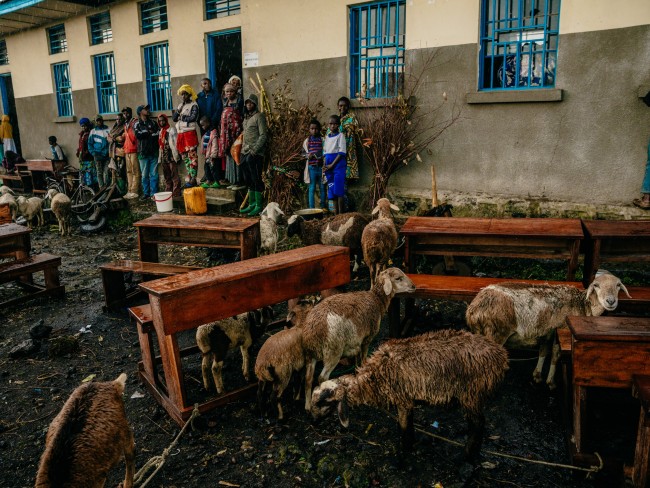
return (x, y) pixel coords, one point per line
(100, 28)
(4, 57)
(519, 42)
(63, 89)
(153, 16)
(58, 41)
(106, 83)
(158, 78)
(377, 33)
(221, 8)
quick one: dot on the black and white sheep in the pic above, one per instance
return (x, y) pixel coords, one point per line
(31, 208)
(340, 230)
(344, 325)
(435, 368)
(379, 238)
(527, 315)
(269, 227)
(61, 207)
(217, 338)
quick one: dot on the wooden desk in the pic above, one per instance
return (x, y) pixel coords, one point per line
(605, 352)
(193, 230)
(36, 170)
(186, 301)
(513, 238)
(615, 241)
(15, 240)
(44, 165)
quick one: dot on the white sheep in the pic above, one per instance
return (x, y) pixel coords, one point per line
(435, 367)
(30, 208)
(344, 325)
(216, 338)
(379, 238)
(527, 315)
(8, 199)
(61, 207)
(5, 189)
(269, 227)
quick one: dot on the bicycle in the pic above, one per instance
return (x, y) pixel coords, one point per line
(80, 194)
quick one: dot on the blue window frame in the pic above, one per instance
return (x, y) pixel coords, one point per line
(158, 78)
(106, 84)
(221, 8)
(519, 40)
(63, 89)
(100, 28)
(57, 39)
(153, 16)
(377, 33)
(4, 57)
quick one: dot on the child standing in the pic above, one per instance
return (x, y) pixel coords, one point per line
(313, 150)
(210, 145)
(334, 150)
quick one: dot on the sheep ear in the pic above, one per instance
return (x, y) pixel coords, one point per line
(388, 286)
(344, 411)
(290, 316)
(589, 291)
(375, 210)
(625, 290)
(394, 207)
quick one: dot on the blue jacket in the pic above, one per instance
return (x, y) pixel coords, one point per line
(210, 104)
(98, 141)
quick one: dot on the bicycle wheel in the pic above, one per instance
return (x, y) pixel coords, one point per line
(82, 203)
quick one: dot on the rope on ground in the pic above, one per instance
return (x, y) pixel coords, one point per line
(589, 470)
(159, 461)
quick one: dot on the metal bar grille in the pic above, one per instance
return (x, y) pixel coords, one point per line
(106, 84)
(158, 78)
(153, 15)
(377, 33)
(221, 8)
(63, 88)
(519, 40)
(4, 57)
(100, 28)
(57, 38)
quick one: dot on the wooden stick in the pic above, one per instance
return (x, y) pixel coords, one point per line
(434, 188)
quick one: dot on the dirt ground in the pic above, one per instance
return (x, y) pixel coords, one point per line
(234, 446)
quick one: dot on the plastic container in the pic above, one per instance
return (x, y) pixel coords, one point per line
(164, 202)
(195, 203)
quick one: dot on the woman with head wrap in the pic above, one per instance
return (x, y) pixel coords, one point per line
(6, 137)
(235, 81)
(116, 152)
(230, 128)
(186, 117)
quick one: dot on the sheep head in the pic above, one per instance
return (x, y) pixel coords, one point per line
(272, 211)
(393, 281)
(326, 396)
(51, 193)
(605, 287)
(384, 207)
(258, 320)
(5, 189)
(294, 225)
(297, 315)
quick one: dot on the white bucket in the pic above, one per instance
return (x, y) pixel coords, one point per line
(164, 202)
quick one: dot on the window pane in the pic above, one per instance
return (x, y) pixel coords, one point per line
(221, 8)
(57, 38)
(158, 78)
(63, 89)
(153, 15)
(100, 28)
(4, 58)
(105, 81)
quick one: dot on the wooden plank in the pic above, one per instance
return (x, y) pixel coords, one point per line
(230, 224)
(38, 262)
(617, 228)
(143, 267)
(609, 364)
(610, 328)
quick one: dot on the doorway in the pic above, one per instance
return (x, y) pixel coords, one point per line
(224, 57)
(9, 106)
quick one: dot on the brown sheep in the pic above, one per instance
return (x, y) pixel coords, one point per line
(87, 438)
(379, 239)
(436, 368)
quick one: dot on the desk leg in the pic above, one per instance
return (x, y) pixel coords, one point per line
(592, 261)
(114, 290)
(148, 251)
(248, 245)
(573, 262)
(641, 473)
(579, 410)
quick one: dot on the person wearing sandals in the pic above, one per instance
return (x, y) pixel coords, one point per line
(186, 117)
(252, 155)
(210, 150)
(644, 201)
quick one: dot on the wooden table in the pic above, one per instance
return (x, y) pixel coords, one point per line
(186, 301)
(193, 230)
(15, 240)
(512, 238)
(615, 241)
(37, 170)
(605, 352)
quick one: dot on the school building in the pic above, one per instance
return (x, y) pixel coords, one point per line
(549, 91)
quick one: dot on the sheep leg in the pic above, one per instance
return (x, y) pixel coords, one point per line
(205, 369)
(245, 362)
(217, 367)
(355, 268)
(329, 364)
(555, 356)
(309, 380)
(543, 352)
(407, 430)
(129, 459)
(279, 390)
(476, 422)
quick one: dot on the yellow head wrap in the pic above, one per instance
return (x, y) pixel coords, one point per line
(188, 89)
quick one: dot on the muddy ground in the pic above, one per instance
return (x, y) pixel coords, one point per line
(234, 446)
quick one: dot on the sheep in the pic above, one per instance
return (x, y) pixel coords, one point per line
(340, 230)
(8, 199)
(435, 367)
(379, 239)
(61, 206)
(5, 189)
(87, 438)
(269, 227)
(527, 315)
(344, 325)
(30, 208)
(216, 338)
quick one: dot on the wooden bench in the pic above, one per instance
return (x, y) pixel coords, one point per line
(115, 291)
(462, 288)
(186, 301)
(641, 469)
(23, 269)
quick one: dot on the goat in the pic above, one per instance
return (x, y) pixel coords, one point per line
(216, 338)
(526, 315)
(61, 207)
(379, 239)
(435, 367)
(344, 325)
(87, 438)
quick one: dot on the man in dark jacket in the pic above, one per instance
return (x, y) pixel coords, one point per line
(146, 131)
(209, 102)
